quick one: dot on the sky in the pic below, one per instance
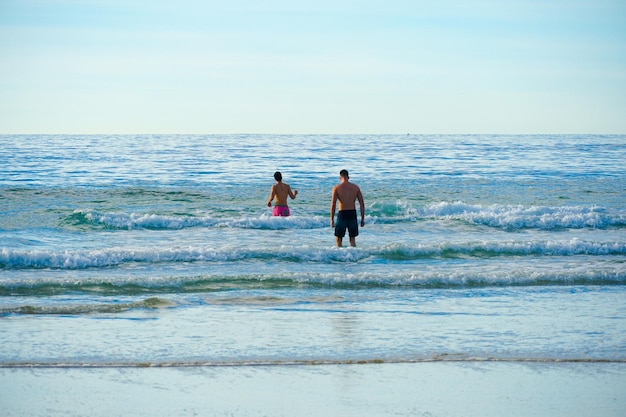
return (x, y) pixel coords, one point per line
(317, 66)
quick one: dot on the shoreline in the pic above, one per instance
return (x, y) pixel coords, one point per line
(304, 362)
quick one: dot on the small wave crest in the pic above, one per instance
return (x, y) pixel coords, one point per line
(80, 309)
(422, 278)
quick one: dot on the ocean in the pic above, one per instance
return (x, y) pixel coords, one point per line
(159, 251)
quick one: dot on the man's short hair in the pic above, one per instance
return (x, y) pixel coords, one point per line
(344, 173)
(278, 176)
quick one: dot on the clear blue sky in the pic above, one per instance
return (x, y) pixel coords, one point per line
(320, 66)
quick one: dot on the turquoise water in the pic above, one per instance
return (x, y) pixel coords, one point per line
(159, 250)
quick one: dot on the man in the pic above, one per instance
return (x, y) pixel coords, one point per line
(280, 191)
(347, 193)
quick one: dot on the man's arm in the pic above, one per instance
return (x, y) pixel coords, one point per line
(359, 196)
(293, 194)
(333, 207)
(272, 195)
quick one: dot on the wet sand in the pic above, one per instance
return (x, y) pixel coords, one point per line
(392, 389)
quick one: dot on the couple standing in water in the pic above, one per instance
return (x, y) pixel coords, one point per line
(345, 192)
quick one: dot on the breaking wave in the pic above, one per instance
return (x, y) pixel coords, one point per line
(507, 217)
(111, 257)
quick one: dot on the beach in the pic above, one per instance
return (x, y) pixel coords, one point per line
(405, 389)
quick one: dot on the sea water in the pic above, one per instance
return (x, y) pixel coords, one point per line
(160, 250)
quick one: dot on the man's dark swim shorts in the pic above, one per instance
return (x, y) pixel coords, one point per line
(346, 219)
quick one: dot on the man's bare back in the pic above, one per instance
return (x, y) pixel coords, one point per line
(281, 191)
(347, 194)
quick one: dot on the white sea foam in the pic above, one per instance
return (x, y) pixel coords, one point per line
(520, 217)
(121, 220)
(79, 259)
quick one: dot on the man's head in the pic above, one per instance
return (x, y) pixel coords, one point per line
(278, 176)
(344, 174)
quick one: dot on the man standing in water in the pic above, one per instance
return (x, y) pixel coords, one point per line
(347, 194)
(280, 191)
